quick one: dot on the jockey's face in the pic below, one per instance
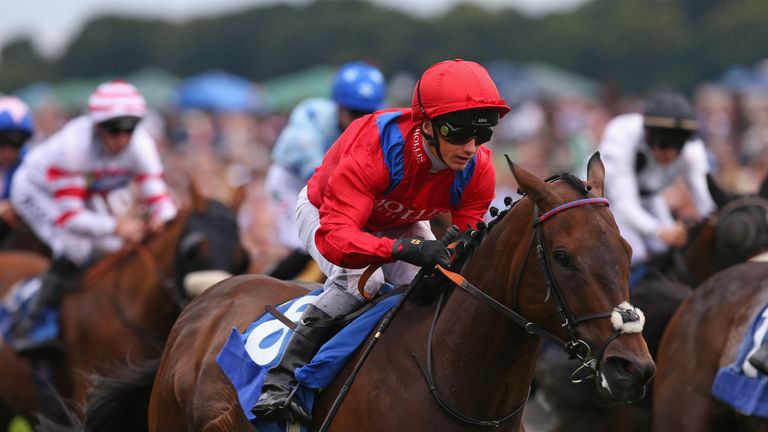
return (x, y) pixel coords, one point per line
(8, 155)
(456, 156)
(666, 144)
(10, 146)
(664, 156)
(116, 134)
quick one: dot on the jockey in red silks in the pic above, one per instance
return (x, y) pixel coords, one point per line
(73, 189)
(370, 201)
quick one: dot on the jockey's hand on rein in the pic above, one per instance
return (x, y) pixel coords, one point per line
(130, 229)
(421, 253)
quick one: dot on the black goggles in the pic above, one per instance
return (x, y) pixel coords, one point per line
(666, 139)
(13, 138)
(461, 135)
(119, 126)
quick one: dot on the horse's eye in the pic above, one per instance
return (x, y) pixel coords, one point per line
(562, 258)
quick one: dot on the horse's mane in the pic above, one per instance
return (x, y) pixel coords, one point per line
(474, 240)
(571, 180)
(112, 260)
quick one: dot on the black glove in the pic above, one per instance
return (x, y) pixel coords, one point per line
(421, 253)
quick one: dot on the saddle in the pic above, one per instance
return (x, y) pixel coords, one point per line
(44, 334)
(246, 357)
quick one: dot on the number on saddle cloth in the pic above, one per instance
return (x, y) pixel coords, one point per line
(246, 357)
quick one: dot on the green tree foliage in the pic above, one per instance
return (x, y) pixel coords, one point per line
(634, 43)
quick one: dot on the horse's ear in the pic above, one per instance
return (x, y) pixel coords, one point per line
(720, 196)
(199, 201)
(596, 174)
(238, 197)
(764, 188)
(528, 182)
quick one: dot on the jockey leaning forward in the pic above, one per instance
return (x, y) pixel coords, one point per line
(643, 155)
(74, 188)
(370, 201)
(16, 127)
(358, 89)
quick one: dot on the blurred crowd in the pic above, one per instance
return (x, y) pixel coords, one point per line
(227, 152)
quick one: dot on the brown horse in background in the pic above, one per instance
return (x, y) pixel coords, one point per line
(703, 336)
(483, 359)
(124, 308)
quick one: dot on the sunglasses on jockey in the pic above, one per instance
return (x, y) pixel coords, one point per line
(460, 135)
(667, 138)
(13, 138)
(120, 125)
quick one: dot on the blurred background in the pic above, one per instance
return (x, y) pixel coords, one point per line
(221, 76)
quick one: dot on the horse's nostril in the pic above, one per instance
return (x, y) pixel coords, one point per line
(622, 368)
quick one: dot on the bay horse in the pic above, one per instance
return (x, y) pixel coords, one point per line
(703, 336)
(124, 308)
(721, 240)
(567, 273)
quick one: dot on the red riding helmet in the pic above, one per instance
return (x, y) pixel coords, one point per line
(455, 85)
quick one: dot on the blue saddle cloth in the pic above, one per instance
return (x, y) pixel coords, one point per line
(246, 357)
(739, 384)
(46, 326)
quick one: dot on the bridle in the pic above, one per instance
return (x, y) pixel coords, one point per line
(625, 318)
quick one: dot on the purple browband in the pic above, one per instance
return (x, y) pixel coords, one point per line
(572, 204)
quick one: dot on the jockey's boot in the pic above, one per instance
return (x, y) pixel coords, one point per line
(760, 359)
(60, 278)
(278, 400)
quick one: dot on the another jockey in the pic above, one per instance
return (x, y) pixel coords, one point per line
(370, 201)
(358, 89)
(70, 188)
(644, 154)
(16, 127)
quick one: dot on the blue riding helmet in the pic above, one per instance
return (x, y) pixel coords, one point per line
(359, 86)
(15, 116)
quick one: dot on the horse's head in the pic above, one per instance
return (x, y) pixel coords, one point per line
(209, 247)
(739, 227)
(578, 289)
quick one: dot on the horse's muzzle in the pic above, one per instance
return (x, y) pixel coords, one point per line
(624, 380)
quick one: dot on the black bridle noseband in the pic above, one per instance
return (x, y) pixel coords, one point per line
(576, 348)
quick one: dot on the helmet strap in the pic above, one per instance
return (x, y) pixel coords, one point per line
(431, 139)
(434, 142)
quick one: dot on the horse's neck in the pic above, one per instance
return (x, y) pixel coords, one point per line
(494, 355)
